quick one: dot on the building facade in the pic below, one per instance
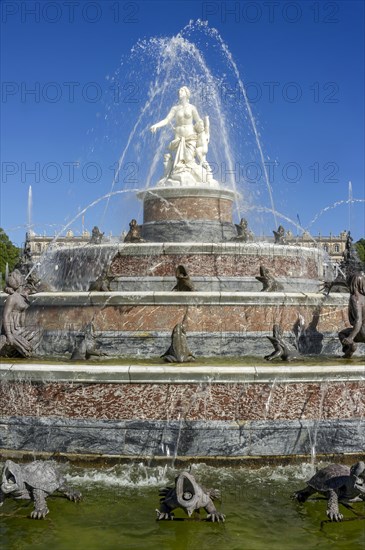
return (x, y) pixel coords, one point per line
(36, 245)
(335, 245)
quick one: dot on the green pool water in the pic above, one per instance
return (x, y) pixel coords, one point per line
(118, 512)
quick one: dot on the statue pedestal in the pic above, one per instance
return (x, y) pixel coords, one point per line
(187, 214)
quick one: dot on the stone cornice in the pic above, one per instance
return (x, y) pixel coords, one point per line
(187, 374)
(65, 299)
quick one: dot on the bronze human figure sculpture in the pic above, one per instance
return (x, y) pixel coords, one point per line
(356, 313)
(15, 335)
(134, 233)
(96, 235)
(348, 247)
(279, 235)
(351, 263)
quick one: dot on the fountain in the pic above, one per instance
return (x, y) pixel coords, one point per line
(228, 405)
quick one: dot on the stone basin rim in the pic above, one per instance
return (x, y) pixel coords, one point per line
(179, 461)
(167, 247)
(157, 296)
(207, 191)
(134, 373)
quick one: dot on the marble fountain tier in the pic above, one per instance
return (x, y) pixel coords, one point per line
(227, 314)
(224, 406)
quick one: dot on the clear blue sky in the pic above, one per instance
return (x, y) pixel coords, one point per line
(302, 62)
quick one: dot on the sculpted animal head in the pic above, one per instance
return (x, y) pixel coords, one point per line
(264, 272)
(188, 492)
(178, 333)
(358, 469)
(12, 482)
(181, 272)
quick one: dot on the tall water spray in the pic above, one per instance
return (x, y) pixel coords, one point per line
(30, 206)
(198, 58)
(350, 204)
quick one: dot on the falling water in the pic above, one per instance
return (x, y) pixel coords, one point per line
(313, 431)
(58, 268)
(158, 67)
(30, 206)
(252, 118)
(334, 205)
(350, 204)
(122, 156)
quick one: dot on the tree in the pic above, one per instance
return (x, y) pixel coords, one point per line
(9, 253)
(360, 248)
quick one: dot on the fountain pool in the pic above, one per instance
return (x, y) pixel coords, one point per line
(117, 511)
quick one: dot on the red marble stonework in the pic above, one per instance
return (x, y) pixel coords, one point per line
(187, 208)
(212, 265)
(197, 318)
(229, 402)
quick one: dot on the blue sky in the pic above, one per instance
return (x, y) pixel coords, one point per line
(302, 64)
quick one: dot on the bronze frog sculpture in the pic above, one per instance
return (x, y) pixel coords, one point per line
(183, 281)
(282, 349)
(270, 284)
(190, 496)
(178, 352)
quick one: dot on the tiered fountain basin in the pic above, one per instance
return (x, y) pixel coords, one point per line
(226, 266)
(227, 413)
(226, 315)
(219, 409)
(217, 266)
(218, 324)
(227, 406)
(222, 409)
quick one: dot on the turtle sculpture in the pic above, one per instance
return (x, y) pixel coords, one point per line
(178, 352)
(337, 483)
(34, 481)
(190, 496)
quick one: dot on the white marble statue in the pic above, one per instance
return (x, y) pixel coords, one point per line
(186, 163)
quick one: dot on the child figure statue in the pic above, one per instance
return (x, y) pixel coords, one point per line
(202, 129)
